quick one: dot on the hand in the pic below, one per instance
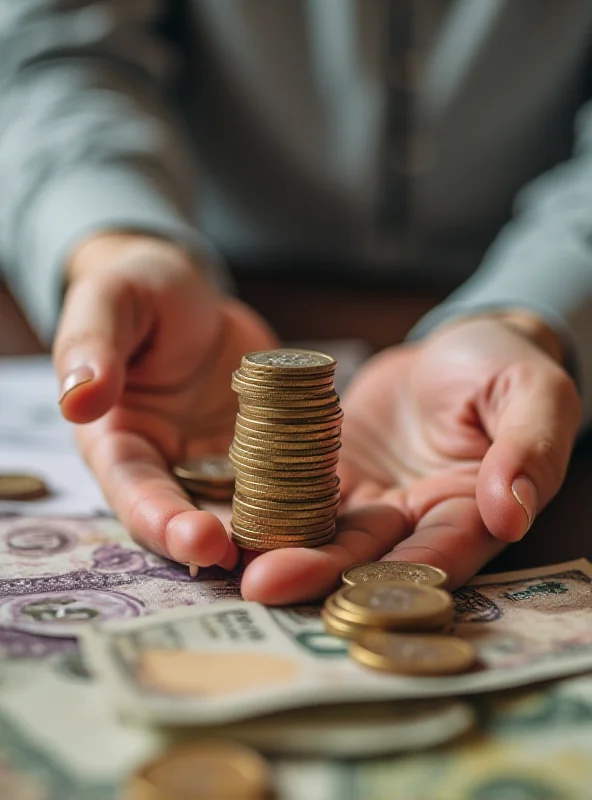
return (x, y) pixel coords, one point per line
(450, 448)
(145, 352)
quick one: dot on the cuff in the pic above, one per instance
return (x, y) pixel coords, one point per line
(89, 201)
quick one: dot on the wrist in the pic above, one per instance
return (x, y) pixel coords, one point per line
(525, 322)
(536, 329)
(109, 248)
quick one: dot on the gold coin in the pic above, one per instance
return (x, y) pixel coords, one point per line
(290, 428)
(413, 655)
(337, 627)
(278, 495)
(284, 416)
(22, 486)
(266, 504)
(267, 443)
(327, 404)
(272, 381)
(273, 458)
(258, 392)
(284, 510)
(250, 472)
(289, 361)
(280, 526)
(203, 770)
(395, 603)
(248, 527)
(289, 441)
(397, 571)
(211, 468)
(263, 544)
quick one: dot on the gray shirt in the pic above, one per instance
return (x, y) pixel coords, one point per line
(402, 136)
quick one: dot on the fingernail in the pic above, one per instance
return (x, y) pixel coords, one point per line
(526, 495)
(75, 379)
(193, 570)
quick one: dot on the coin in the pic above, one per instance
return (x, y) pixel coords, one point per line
(266, 543)
(302, 416)
(256, 505)
(22, 486)
(213, 468)
(203, 770)
(395, 603)
(413, 655)
(289, 428)
(294, 459)
(289, 359)
(268, 444)
(389, 621)
(395, 570)
(248, 527)
(283, 511)
(337, 627)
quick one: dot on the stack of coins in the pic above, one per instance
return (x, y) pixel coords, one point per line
(393, 612)
(209, 477)
(387, 606)
(285, 450)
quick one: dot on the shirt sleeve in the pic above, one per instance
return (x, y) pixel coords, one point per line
(542, 261)
(87, 140)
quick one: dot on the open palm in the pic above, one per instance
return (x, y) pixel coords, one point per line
(436, 436)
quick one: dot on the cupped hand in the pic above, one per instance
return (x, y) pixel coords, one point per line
(145, 351)
(450, 448)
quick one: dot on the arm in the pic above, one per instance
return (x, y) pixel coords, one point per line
(87, 141)
(542, 262)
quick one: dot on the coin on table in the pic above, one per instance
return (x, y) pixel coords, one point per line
(413, 655)
(22, 486)
(395, 571)
(203, 770)
(395, 603)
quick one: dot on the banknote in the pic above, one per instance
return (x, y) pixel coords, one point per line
(59, 574)
(237, 660)
(530, 745)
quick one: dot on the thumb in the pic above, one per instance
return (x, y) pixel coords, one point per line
(102, 324)
(533, 419)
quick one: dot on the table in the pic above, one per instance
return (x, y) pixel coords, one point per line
(381, 317)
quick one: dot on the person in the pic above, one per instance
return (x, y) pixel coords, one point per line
(393, 135)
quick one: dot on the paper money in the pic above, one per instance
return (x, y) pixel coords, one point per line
(58, 574)
(237, 660)
(532, 745)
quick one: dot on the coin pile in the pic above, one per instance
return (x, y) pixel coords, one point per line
(285, 450)
(388, 606)
(397, 614)
(208, 477)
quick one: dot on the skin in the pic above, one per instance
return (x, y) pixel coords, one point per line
(434, 437)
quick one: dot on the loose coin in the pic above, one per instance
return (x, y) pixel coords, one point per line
(22, 486)
(210, 468)
(413, 655)
(395, 570)
(395, 603)
(203, 770)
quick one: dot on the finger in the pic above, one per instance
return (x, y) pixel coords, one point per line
(451, 536)
(533, 437)
(293, 575)
(102, 324)
(150, 504)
